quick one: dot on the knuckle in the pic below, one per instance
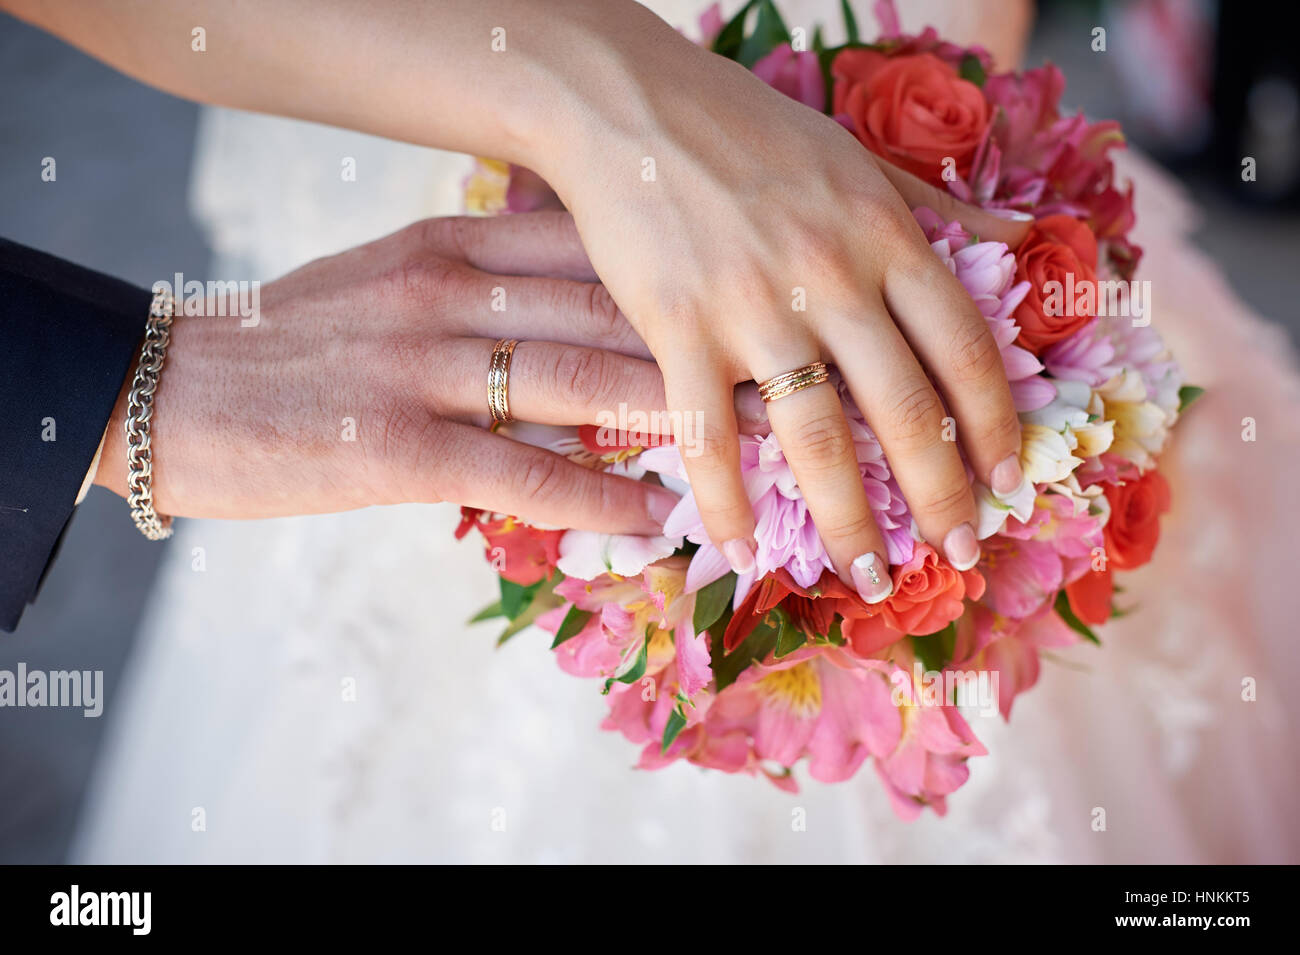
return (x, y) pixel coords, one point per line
(950, 499)
(541, 479)
(847, 528)
(1002, 433)
(713, 453)
(582, 375)
(889, 230)
(411, 445)
(608, 325)
(917, 416)
(460, 233)
(822, 442)
(974, 355)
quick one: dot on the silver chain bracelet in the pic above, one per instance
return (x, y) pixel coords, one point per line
(139, 414)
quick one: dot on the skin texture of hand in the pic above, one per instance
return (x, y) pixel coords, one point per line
(756, 203)
(752, 197)
(391, 342)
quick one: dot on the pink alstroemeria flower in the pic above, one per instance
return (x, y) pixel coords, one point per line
(817, 702)
(929, 760)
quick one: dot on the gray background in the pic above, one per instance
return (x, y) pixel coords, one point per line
(119, 205)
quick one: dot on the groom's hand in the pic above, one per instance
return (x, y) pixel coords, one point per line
(364, 381)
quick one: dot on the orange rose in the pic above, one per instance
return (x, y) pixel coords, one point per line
(1134, 526)
(1058, 249)
(913, 111)
(928, 595)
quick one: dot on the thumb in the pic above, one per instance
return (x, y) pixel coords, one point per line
(1002, 225)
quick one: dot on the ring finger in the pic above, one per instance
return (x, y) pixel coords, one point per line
(815, 437)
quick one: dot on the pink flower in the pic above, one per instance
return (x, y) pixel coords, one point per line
(1009, 648)
(785, 534)
(1020, 575)
(797, 75)
(815, 702)
(895, 42)
(929, 760)
(627, 613)
(1087, 355)
(710, 24)
(987, 270)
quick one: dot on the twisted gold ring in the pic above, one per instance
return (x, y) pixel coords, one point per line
(792, 381)
(499, 380)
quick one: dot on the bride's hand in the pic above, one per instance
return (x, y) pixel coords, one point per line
(364, 381)
(715, 209)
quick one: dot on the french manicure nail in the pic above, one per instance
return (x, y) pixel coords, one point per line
(871, 577)
(961, 547)
(1007, 476)
(739, 554)
(1011, 215)
(660, 505)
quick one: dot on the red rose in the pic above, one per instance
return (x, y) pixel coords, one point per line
(913, 111)
(1059, 249)
(1131, 533)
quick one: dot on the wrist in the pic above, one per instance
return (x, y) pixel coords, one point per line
(594, 85)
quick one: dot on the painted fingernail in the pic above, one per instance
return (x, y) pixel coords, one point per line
(660, 505)
(1007, 476)
(1011, 215)
(961, 547)
(871, 577)
(739, 554)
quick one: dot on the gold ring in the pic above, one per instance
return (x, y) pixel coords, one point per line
(792, 381)
(499, 380)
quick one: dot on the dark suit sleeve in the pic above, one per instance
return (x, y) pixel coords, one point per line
(68, 337)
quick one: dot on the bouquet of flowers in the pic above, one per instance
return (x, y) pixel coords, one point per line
(761, 672)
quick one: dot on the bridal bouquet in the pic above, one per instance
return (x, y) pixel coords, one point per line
(785, 665)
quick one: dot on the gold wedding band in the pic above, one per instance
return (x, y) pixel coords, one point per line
(792, 381)
(499, 380)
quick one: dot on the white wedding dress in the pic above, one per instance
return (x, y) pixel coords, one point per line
(313, 693)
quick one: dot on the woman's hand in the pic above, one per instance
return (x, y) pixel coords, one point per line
(755, 203)
(364, 381)
(715, 209)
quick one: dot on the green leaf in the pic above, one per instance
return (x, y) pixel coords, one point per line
(935, 649)
(637, 669)
(789, 638)
(1187, 394)
(769, 33)
(543, 601)
(760, 642)
(819, 42)
(972, 69)
(850, 22)
(727, 42)
(712, 600)
(1062, 607)
(487, 613)
(515, 598)
(573, 623)
(676, 723)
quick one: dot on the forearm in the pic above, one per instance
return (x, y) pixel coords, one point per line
(434, 74)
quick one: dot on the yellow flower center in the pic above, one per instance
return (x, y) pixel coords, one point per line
(796, 688)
